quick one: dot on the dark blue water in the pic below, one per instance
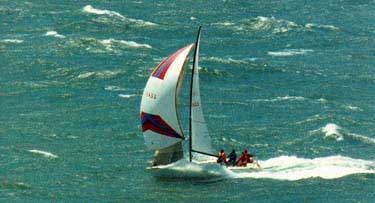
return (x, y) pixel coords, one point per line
(292, 81)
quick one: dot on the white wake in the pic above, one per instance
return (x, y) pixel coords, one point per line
(288, 168)
(292, 168)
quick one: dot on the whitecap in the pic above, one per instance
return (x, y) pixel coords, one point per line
(99, 74)
(284, 98)
(126, 96)
(292, 168)
(322, 100)
(268, 23)
(225, 23)
(86, 75)
(328, 27)
(92, 10)
(289, 52)
(12, 41)
(337, 132)
(114, 88)
(353, 108)
(44, 153)
(109, 43)
(224, 60)
(332, 130)
(54, 34)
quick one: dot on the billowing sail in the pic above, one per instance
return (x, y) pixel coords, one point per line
(201, 140)
(160, 125)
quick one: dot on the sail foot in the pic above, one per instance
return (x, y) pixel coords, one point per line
(168, 155)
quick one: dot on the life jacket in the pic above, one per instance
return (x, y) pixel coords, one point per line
(222, 157)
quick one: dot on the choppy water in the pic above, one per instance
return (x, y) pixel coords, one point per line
(293, 81)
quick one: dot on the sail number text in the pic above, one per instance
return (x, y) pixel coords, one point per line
(151, 95)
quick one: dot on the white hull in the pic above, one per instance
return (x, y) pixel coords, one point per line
(249, 166)
(196, 171)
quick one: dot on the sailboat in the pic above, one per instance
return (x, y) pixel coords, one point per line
(159, 116)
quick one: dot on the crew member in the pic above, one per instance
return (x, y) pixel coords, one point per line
(245, 158)
(222, 158)
(232, 158)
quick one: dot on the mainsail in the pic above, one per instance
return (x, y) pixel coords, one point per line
(199, 137)
(160, 125)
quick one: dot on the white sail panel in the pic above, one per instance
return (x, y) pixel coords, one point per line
(160, 123)
(201, 140)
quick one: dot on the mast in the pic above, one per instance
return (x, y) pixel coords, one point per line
(191, 93)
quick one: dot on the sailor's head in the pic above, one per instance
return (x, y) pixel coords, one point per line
(245, 151)
(222, 150)
(233, 151)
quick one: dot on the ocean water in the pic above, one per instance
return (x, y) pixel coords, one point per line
(293, 81)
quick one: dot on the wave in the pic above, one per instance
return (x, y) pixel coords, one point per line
(54, 34)
(99, 74)
(85, 75)
(114, 88)
(91, 10)
(292, 168)
(126, 96)
(223, 24)
(268, 23)
(284, 98)
(362, 138)
(44, 153)
(109, 43)
(311, 119)
(289, 52)
(227, 60)
(12, 41)
(329, 27)
(277, 26)
(105, 45)
(353, 108)
(332, 130)
(16, 185)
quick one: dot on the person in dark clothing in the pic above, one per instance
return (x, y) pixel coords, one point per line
(232, 158)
